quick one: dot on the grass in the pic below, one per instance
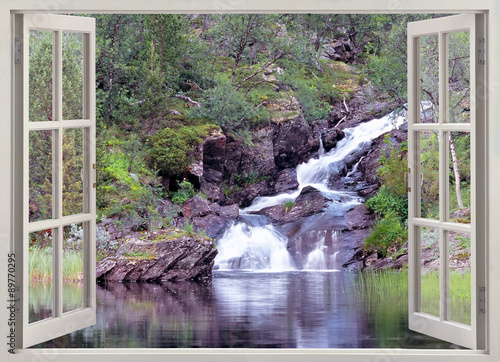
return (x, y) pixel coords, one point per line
(384, 290)
(40, 265)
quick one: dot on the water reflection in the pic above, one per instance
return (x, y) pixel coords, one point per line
(245, 310)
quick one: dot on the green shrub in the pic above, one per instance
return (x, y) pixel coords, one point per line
(393, 168)
(171, 148)
(385, 202)
(388, 233)
(185, 192)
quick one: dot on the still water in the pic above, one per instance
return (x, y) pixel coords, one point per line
(296, 309)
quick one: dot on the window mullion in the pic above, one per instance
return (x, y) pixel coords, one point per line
(58, 175)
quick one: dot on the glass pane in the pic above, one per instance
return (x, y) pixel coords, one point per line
(460, 277)
(72, 266)
(429, 257)
(40, 75)
(459, 177)
(40, 275)
(72, 75)
(72, 171)
(429, 175)
(459, 77)
(40, 175)
(429, 78)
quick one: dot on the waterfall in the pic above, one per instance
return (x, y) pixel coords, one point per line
(252, 244)
(321, 150)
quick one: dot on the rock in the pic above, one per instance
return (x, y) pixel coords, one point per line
(244, 196)
(229, 212)
(330, 138)
(211, 224)
(341, 50)
(196, 206)
(214, 156)
(185, 258)
(309, 202)
(293, 143)
(359, 218)
(275, 212)
(286, 180)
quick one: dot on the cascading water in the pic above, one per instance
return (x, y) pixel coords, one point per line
(252, 243)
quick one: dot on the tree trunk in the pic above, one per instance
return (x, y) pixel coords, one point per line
(455, 171)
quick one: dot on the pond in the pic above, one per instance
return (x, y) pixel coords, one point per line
(238, 309)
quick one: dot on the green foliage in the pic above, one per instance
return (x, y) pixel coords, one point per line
(170, 150)
(288, 205)
(386, 202)
(126, 186)
(388, 233)
(189, 229)
(393, 168)
(185, 192)
(227, 108)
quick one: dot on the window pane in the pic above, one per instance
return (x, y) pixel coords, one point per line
(460, 277)
(40, 275)
(40, 75)
(72, 75)
(72, 266)
(459, 177)
(429, 241)
(459, 77)
(72, 171)
(429, 78)
(40, 175)
(429, 175)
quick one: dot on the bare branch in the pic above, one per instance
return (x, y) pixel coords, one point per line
(186, 98)
(279, 55)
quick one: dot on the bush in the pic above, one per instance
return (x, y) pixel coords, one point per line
(171, 148)
(185, 192)
(388, 233)
(385, 202)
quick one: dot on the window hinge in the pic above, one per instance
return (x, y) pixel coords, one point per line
(482, 300)
(17, 49)
(481, 51)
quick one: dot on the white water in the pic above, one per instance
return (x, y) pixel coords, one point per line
(262, 247)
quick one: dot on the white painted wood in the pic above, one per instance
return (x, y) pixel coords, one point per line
(10, 184)
(472, 336)
(60, 324)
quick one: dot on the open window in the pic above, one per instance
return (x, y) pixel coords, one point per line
(55, 115)
(58, 169)
(446, 78)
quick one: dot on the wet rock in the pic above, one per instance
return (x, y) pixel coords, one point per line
(185, 258)
(330, 138)
(286, 180)
(229, 212)
(309, 202)
(359, 218)
(275, 213)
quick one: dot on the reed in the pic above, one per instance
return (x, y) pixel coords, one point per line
(40, 265)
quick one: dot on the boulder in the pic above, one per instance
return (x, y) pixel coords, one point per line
(196, 206)
(286, 180)
(359, 218)
(212, 224)
(309, 202)
(293, 143)
(330, 137)
(185, 258)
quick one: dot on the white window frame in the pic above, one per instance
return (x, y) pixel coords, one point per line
(491, 214)
(470, 336)
(59, 323)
